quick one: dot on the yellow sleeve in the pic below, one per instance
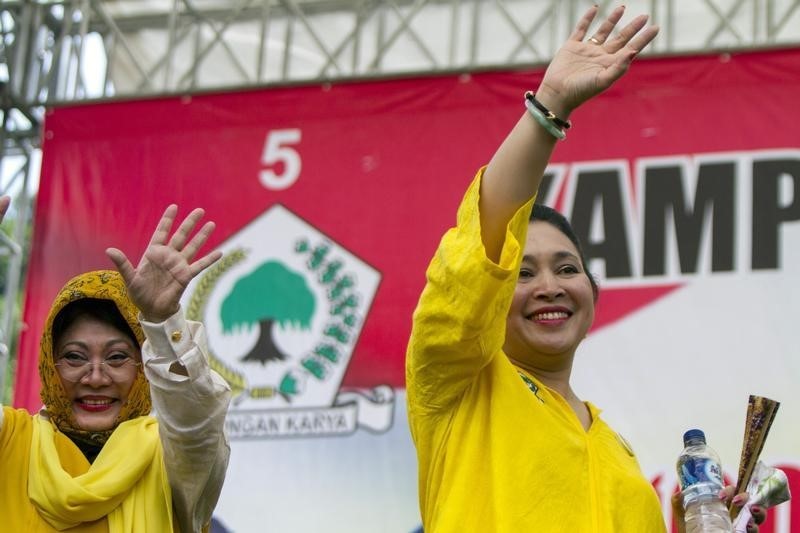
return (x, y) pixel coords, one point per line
(460, 320)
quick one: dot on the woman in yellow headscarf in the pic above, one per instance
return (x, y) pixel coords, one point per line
(115, 347)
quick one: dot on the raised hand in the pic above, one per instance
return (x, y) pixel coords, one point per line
(167, 265)
(5, 201)
(582, 68)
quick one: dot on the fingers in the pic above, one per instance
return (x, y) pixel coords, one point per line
(643, 39)
(625, 56)
(737, 501)
(755, 514)
(677, 509)
(5, 201)
(164, 225)
(198, 240)
(605, 29)
(631, 36)
(583, 24)
(727, 493)
(204, 262)
(189, 249)
(124, 267)
(178, 240)
(759, 514)
(625, 34)
(676, 501)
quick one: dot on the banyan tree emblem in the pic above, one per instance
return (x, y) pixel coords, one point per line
(283, 310)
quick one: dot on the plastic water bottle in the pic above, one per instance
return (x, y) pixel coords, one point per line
(700, 476)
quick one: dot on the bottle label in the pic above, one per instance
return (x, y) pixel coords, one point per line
(696, 470)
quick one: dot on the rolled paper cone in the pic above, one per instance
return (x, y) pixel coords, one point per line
(760, 415)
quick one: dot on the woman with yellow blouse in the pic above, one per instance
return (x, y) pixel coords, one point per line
(504, 443)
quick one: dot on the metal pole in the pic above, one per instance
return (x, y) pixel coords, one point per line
(4, 351)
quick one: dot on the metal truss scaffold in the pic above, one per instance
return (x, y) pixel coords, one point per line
(67, 50)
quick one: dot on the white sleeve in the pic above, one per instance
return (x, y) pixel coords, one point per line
(191, 413)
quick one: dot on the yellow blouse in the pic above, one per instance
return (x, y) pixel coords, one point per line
(497, 453)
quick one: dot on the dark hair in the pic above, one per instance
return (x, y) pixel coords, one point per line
(557, 220)
(102, 310)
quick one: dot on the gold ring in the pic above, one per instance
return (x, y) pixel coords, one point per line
(595, 41)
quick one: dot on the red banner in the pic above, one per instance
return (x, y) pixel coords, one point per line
(373, 172)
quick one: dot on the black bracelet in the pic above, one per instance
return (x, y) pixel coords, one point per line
(549, 115)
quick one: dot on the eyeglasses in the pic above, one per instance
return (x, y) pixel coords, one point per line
(74, 368)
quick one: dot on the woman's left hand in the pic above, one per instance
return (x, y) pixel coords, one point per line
(167, 265)
(584, 67)
(759, 513)
(5, 201)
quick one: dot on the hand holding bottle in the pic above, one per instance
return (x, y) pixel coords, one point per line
(702, 504)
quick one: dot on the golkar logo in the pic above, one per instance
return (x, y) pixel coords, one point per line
(283, 309)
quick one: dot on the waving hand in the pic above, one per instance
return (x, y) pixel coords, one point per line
(167, 266)
(5, 201)
(583, 67)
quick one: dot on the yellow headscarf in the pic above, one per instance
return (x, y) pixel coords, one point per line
(102, 285)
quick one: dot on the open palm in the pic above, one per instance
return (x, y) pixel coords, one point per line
(582, 69)
(167, 265)
(5, 201)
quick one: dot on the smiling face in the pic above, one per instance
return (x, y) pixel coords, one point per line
(96, 398)
(553, 304)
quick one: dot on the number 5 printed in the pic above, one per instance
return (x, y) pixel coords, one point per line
(277, 149)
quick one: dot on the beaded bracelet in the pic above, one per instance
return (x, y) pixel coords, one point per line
(546, 118)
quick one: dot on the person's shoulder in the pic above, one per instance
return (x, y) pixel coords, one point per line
(10, 416)
(9, 411)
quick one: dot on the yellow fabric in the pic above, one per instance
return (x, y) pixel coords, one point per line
(494, 456)
(46, 483)
(146, 507)
(127, 482)
(103, 285)
(16, 509)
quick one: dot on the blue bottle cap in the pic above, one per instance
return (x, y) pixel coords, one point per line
(694, 434)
